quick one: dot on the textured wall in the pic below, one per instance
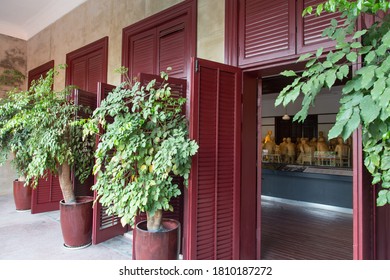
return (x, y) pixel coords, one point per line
(12, 56)
(98, 18)
(211, 29)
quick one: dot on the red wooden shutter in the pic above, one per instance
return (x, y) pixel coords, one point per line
(78, 72)
(172, 49)
(214, 190)
(142, 53)
(86, 99)
(266, 30)
(88, 65)
(104, 226)
(46, 196)
(310, 27)
(167, 38)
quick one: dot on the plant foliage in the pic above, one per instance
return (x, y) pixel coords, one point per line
(145, 143)
(53, 134)
(366, 96)
(57, 137)
(14, 135)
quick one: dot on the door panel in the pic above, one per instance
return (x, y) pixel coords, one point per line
(86, 99)
(104, 226)
(214, 190)
(46, 196)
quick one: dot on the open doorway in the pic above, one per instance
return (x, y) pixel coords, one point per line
(306, 179)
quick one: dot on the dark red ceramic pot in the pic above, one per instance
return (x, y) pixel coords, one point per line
(22, 195)
(76, 222)
(161, 245)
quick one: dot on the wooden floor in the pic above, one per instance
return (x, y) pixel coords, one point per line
(304, 233)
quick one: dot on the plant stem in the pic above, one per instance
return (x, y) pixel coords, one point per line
(154, 223)
(66, 183)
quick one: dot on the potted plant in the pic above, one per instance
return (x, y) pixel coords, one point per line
(56, 144)
(13, 138)
(145, 142)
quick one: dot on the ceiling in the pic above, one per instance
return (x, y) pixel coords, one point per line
(24, 18)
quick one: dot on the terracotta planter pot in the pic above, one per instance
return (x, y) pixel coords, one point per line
(22, 196)
(76, 222)
(161, 245)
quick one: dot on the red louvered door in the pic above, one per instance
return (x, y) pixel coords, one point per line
(46, 196)
(142, 53)
(310, 27)
(266, 30)
(86, 99)
(214, 190)
(173, 50)
(104, 226)
(88, 65)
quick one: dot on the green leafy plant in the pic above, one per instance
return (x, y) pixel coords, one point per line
(366, 96)
(145, 142)
(55, 142)
(14, 135)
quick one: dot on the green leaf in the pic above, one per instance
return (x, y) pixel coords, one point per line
(319, 9)
(385, 164)
(352, 57)
(327, 64)
(319, 52)
(304, 57)
(359, 34)
(384, 101)
(379, 87)
(370, 57)
(352, 124)
(330, 78)
(336, 57)
(292, 95)
(356, 45)
(365, 50)
(336, 130)
(334, 22)
(310, 62)
(288, 73)
(382, 197)
(307, 10)
(344, 70)
(368, 74)
(368, 109)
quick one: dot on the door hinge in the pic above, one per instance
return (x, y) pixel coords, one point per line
(196, 65)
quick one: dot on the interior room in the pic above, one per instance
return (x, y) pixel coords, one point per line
(306, 179)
